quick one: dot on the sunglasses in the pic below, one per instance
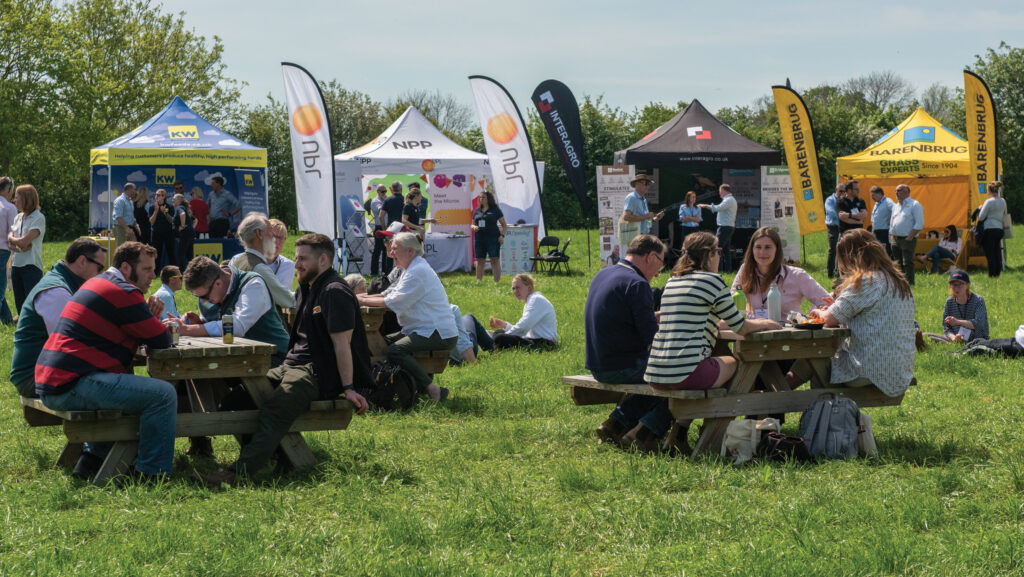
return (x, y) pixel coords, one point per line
(101, 266)
(209, 289)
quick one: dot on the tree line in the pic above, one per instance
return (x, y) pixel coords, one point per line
(76, 74)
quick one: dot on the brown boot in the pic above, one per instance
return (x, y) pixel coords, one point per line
(676, 442)
(611, 431)
(640, 439)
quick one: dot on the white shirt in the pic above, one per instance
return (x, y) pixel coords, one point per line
(538, 320)
(282, 294)
(7, 213)
(906, 216)
(284, 269)
(726, 211)
(253, 303)
(49, 304)
(22, 225)
(420, 302)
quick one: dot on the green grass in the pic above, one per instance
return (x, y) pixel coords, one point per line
(508, 479)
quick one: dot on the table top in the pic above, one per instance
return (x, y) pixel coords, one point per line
(787, 334)
(205, 347)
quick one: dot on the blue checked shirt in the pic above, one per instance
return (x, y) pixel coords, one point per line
(224, 201)
(831, 216)
(124, 208)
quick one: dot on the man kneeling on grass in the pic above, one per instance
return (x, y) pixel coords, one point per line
(86, 364)
(327, 356)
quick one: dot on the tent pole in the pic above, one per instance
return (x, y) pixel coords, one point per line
(110, 212)
(803, 250)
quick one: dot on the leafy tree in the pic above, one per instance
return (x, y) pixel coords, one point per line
(449, 114)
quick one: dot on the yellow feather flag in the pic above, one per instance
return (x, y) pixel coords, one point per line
(802, 158)
(981, 137)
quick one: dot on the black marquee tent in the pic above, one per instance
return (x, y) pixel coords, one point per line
(695, 136)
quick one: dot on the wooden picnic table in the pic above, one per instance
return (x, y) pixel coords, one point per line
(199, 367)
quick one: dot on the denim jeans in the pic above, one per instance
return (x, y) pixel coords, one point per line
(651, 411)
(155, 401)
(478, 335)
(5, 311)
(23, 280)
(881, 236)
(938, 253)
(833, 238)
(725, 243)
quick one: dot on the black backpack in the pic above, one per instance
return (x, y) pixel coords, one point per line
(393, 387)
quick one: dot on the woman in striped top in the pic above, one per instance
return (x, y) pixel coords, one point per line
(695, 300)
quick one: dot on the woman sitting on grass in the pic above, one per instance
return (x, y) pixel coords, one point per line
(875, 301)
(948, 247)
(964, 318)
(762, 266)
(535, 328)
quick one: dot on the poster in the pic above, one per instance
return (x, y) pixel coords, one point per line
(778, 209)
(746, 189)
(252, 190)
(612, 188)
(520, 246)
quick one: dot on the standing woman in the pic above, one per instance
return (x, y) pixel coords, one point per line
(142, 201)
(183, 224)
(990, 223)
(200, 213)
(762, 266)
(161, 215)
(26, 242)
(689, 216)
(489, 227)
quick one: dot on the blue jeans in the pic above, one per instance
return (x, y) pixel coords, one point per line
(155, 401)
(652, 412)
(936, 254)
(725, 243)
(5, 311)
(23, 280)
(882, 236)
(478, 335)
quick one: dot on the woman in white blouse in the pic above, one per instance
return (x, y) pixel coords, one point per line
(26, 241)
(537, 325)
(990, 225)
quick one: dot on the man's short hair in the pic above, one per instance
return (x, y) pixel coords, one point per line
(178, 183)
(725, 187)
(318, 244)
(644, 245)
(849, 184)
(128, 185)
(168, 272)
(413, 185)
(200, 272)
(130, 252)
(877, 189)
(86, 247)
(408, 240)
(219, 179)
(253, 223)
(6, 184)
(396, 185)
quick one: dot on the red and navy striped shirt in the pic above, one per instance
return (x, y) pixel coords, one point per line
(99, 331)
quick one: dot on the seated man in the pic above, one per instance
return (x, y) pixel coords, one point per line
(229, 291)
(260, 246)
(170, 283)
(40, 314)
(86, 364)
(421, 304)
(328, 356)
(620, 324)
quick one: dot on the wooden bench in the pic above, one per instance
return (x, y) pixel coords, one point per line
(433, 362)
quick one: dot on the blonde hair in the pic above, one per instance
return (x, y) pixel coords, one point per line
(29, 198)
(197, 193)
(278, 227)
(525, 279)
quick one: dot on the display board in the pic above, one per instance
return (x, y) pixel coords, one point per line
(746, 189)
(612, 189)
(778, 209)
(520, 246)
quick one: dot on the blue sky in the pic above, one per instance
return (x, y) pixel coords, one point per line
(723, 53)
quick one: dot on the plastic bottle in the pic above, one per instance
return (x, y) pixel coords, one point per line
(740, 300)
(775, 303)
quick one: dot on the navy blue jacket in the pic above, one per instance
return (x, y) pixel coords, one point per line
(619, 318)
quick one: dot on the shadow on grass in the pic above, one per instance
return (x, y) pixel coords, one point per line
(929, 453)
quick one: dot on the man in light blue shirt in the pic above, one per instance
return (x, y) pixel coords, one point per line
(170, 283)
(832, 224)
(881, 214)
(635, 209)
(726, 220)
(223, 208)
(124, 225)
(906, 222)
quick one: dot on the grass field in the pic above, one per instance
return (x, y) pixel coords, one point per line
(508, 479)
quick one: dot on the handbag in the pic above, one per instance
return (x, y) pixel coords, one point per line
(1007, 222)
(866, 438)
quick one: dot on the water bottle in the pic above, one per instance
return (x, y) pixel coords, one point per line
(775, 303)
(740, 300)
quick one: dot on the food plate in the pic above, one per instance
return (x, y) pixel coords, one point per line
(809, 325)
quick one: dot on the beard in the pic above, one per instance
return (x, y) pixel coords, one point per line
(307, 276)
(269, 248)
(134, 279)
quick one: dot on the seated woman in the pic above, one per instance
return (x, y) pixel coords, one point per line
(762, 266)
(537, 325)
(875, 301)
(421, 304)
(948, 247)
(964, 318)
(695, 302)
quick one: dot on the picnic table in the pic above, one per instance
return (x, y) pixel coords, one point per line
(758, 356)
(198, 366)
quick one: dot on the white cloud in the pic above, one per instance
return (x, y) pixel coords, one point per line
(205, 176)
(107, 196)
(211, 132)
(137, 176)
(186, 116)
(229, 142)
(142, 140)
(102, 172)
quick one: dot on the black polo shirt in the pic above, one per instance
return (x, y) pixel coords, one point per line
(847, 204)
(393, 207)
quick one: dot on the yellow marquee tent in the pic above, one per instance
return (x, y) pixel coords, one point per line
(928, 157)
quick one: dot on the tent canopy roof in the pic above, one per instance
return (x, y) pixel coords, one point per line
(178, 126)
(918, 146)
(411, 137)
(694, 135)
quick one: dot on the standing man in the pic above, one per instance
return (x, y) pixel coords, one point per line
(377, 218)
(392, 212)
(619, 326)
(328, 356)
(282, 266)
(92, 350)
(260, 246)
(832, 224)
(851, 209)
(881, 214)
(726, 220)
(223, 206)
(907, 221)
(635, 208)
(40, 314)
(7, 213)
(125, 227)
(170, 283)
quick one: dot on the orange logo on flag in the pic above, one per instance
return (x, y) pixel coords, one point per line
(428, 165)
(307, 119)
(501, 128)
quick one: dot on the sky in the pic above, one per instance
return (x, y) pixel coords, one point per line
(725, 53)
